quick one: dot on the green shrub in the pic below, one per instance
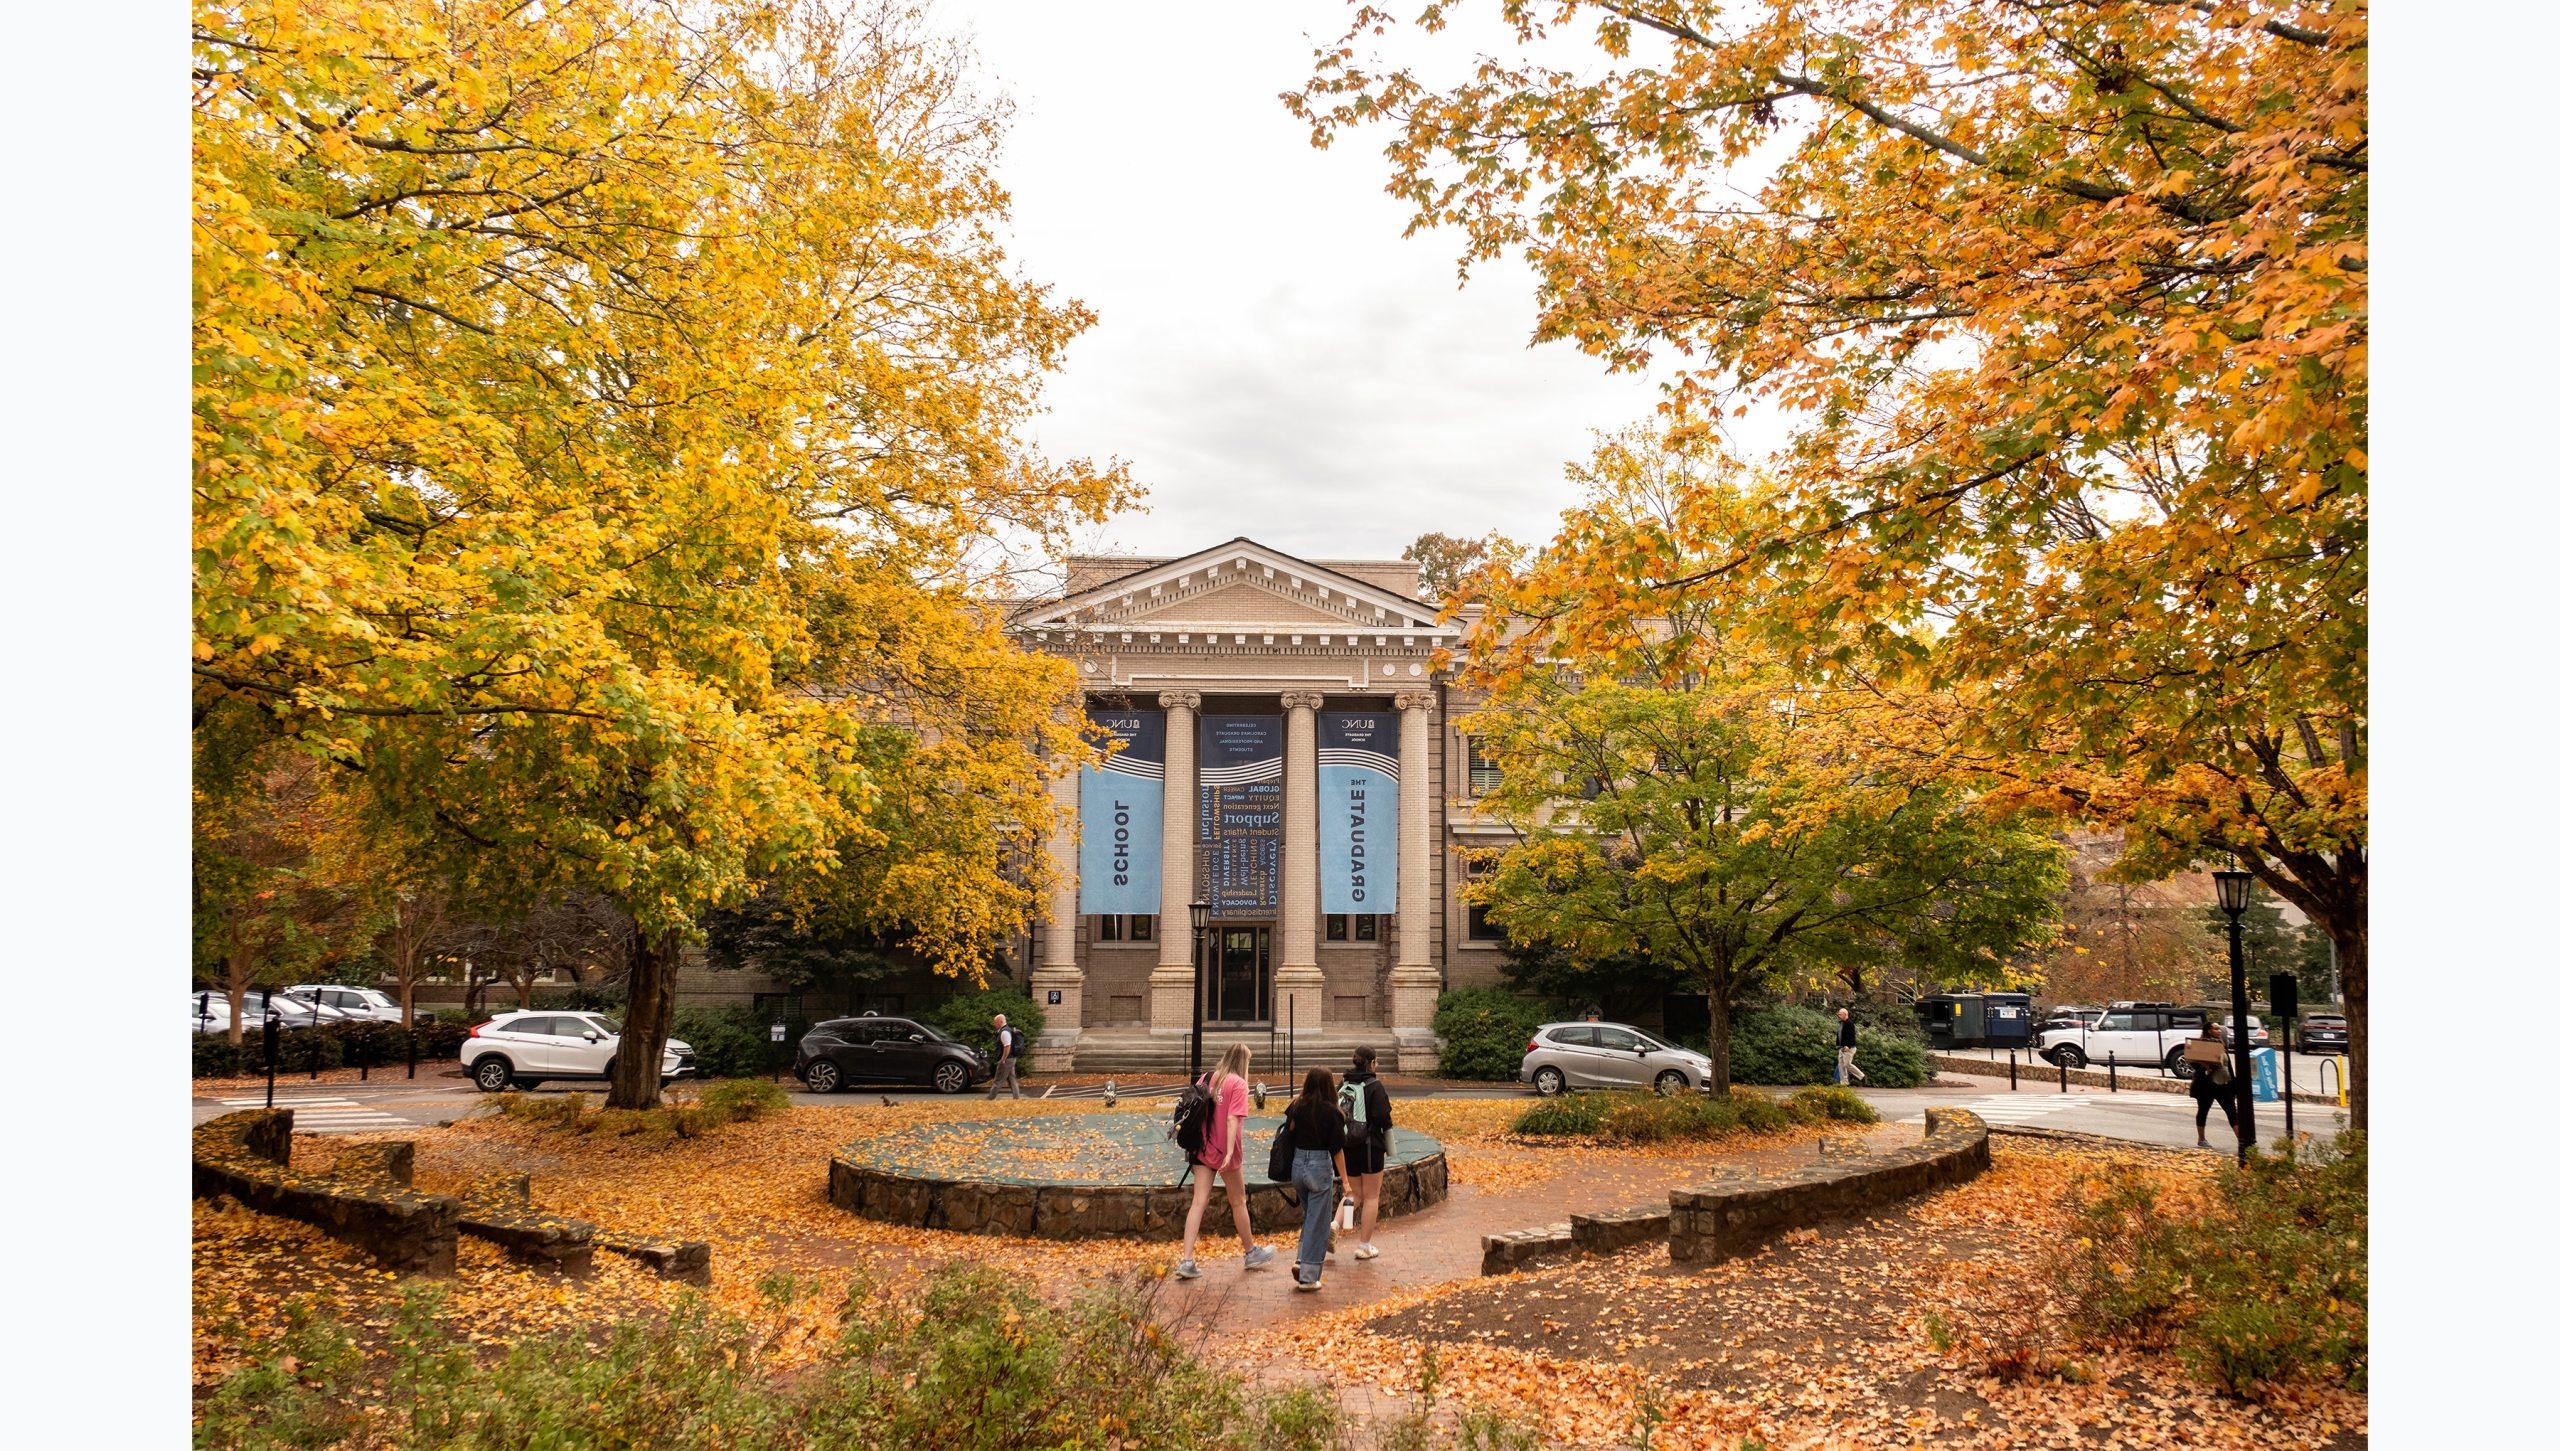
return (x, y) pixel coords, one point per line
(1645, 1118)
(1483, 1031)
(742, 1099)
(990, 1365)
(2266, 1287)
(1891, 1060)
(1566, 1114)
(970, 1017)
(679, 1116)
(1823, 1103)
(379, 1046)
(733, 1040)
(1785, 1045)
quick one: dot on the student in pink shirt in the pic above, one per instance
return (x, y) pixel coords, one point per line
(1222, 1155)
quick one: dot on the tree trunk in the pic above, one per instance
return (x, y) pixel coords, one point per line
(237, 965)
(409, 998)
(1719, 1038)
(646, 1017)
(2351, 960)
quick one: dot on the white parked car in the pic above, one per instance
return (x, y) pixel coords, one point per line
(525, 1048)
(1608, 1055)
(2145, 1035)
(211, 1012)
(366, 1003)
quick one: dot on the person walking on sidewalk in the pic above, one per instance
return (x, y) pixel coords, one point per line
(1009, 1047)
(1366, 1118)
(1314, 1126)
(1848, 1051)
(2209, 1084)
(1222, 1156)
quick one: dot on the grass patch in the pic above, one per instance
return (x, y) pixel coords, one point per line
(1644, 1118)
(677, 1117)
(972, 1361)
(2261, 1284)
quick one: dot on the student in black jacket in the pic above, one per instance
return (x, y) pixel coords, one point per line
(1848, 1051)
(1314, 1126)
(1366, 1115)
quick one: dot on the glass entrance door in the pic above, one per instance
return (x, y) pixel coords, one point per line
(1239, 973)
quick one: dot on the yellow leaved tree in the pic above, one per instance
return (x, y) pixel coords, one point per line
(605, 417)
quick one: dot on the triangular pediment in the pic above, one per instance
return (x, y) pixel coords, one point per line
(1238, 585)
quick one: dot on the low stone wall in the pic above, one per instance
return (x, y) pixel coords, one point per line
(1081, 1211)
(248, 1156)
(366, 1199)
(1714, 1224)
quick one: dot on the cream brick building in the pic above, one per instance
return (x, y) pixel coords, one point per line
(1220, 642)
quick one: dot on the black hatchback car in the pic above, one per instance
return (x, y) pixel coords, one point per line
(842, 1051)
(2323, 1033)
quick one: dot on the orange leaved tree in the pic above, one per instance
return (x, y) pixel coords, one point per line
(2065, 304)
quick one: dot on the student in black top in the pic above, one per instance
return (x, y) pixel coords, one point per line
(1364, 1144)
(1848, 1051)
(1314, 1126)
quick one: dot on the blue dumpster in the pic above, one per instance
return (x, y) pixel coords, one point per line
(2262, 1075)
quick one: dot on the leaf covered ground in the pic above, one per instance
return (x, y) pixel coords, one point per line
(1928, 1326)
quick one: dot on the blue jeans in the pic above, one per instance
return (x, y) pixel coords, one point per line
(1312, 1172)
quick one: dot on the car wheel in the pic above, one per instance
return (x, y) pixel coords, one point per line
(1670, 1081)
(1549, 1080)
(823, 1077)
(949, 1077)
(2069, 1056)
(493, 1073)
(2178, 1065)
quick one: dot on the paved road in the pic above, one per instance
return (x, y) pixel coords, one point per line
(2155, 1118)
(2151, 1118)
(2312, 1072)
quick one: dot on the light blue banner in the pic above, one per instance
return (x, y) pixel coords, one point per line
(1120, 808)
(1356, 811)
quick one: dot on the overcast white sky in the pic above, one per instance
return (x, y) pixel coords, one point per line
(1274, 358)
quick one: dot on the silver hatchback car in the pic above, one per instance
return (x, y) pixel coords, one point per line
(1608, 1055)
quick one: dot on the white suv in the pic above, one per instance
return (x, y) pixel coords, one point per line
(365, 1003)
(525, 1048)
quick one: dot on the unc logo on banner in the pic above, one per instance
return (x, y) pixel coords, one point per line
(1120, 809)
(1356, 770)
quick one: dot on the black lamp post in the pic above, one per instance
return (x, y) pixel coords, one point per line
(1199, 976)
(2231, 890)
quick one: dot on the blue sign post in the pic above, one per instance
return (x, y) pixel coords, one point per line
(1356, 811)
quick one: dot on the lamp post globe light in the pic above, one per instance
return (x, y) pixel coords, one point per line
(2231, 891)
(1199, 976)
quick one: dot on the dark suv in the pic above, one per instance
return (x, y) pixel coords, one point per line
(842, 1051)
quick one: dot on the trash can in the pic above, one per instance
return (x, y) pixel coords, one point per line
(2007, 1021)
(2263, 1083)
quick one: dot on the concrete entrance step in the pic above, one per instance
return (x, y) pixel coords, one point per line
(1142, 1052)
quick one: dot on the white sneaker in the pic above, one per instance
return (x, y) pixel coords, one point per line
(1187, 1270)
(1260, 1255)
(1365, 1252)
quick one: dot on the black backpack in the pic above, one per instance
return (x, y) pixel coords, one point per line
(1193, 1112)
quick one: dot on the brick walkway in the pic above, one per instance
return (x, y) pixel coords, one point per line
(1446, 1243)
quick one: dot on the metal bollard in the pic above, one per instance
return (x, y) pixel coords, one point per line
(2013, 1070)
(364, 1065)
(2062, 1077)
(2111, 1072)
(271, 1057)
(412, 1035)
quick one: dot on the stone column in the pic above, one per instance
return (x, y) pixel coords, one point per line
(1058, 970)
(1299, 980)
(1414, 983)
(1170, 985)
